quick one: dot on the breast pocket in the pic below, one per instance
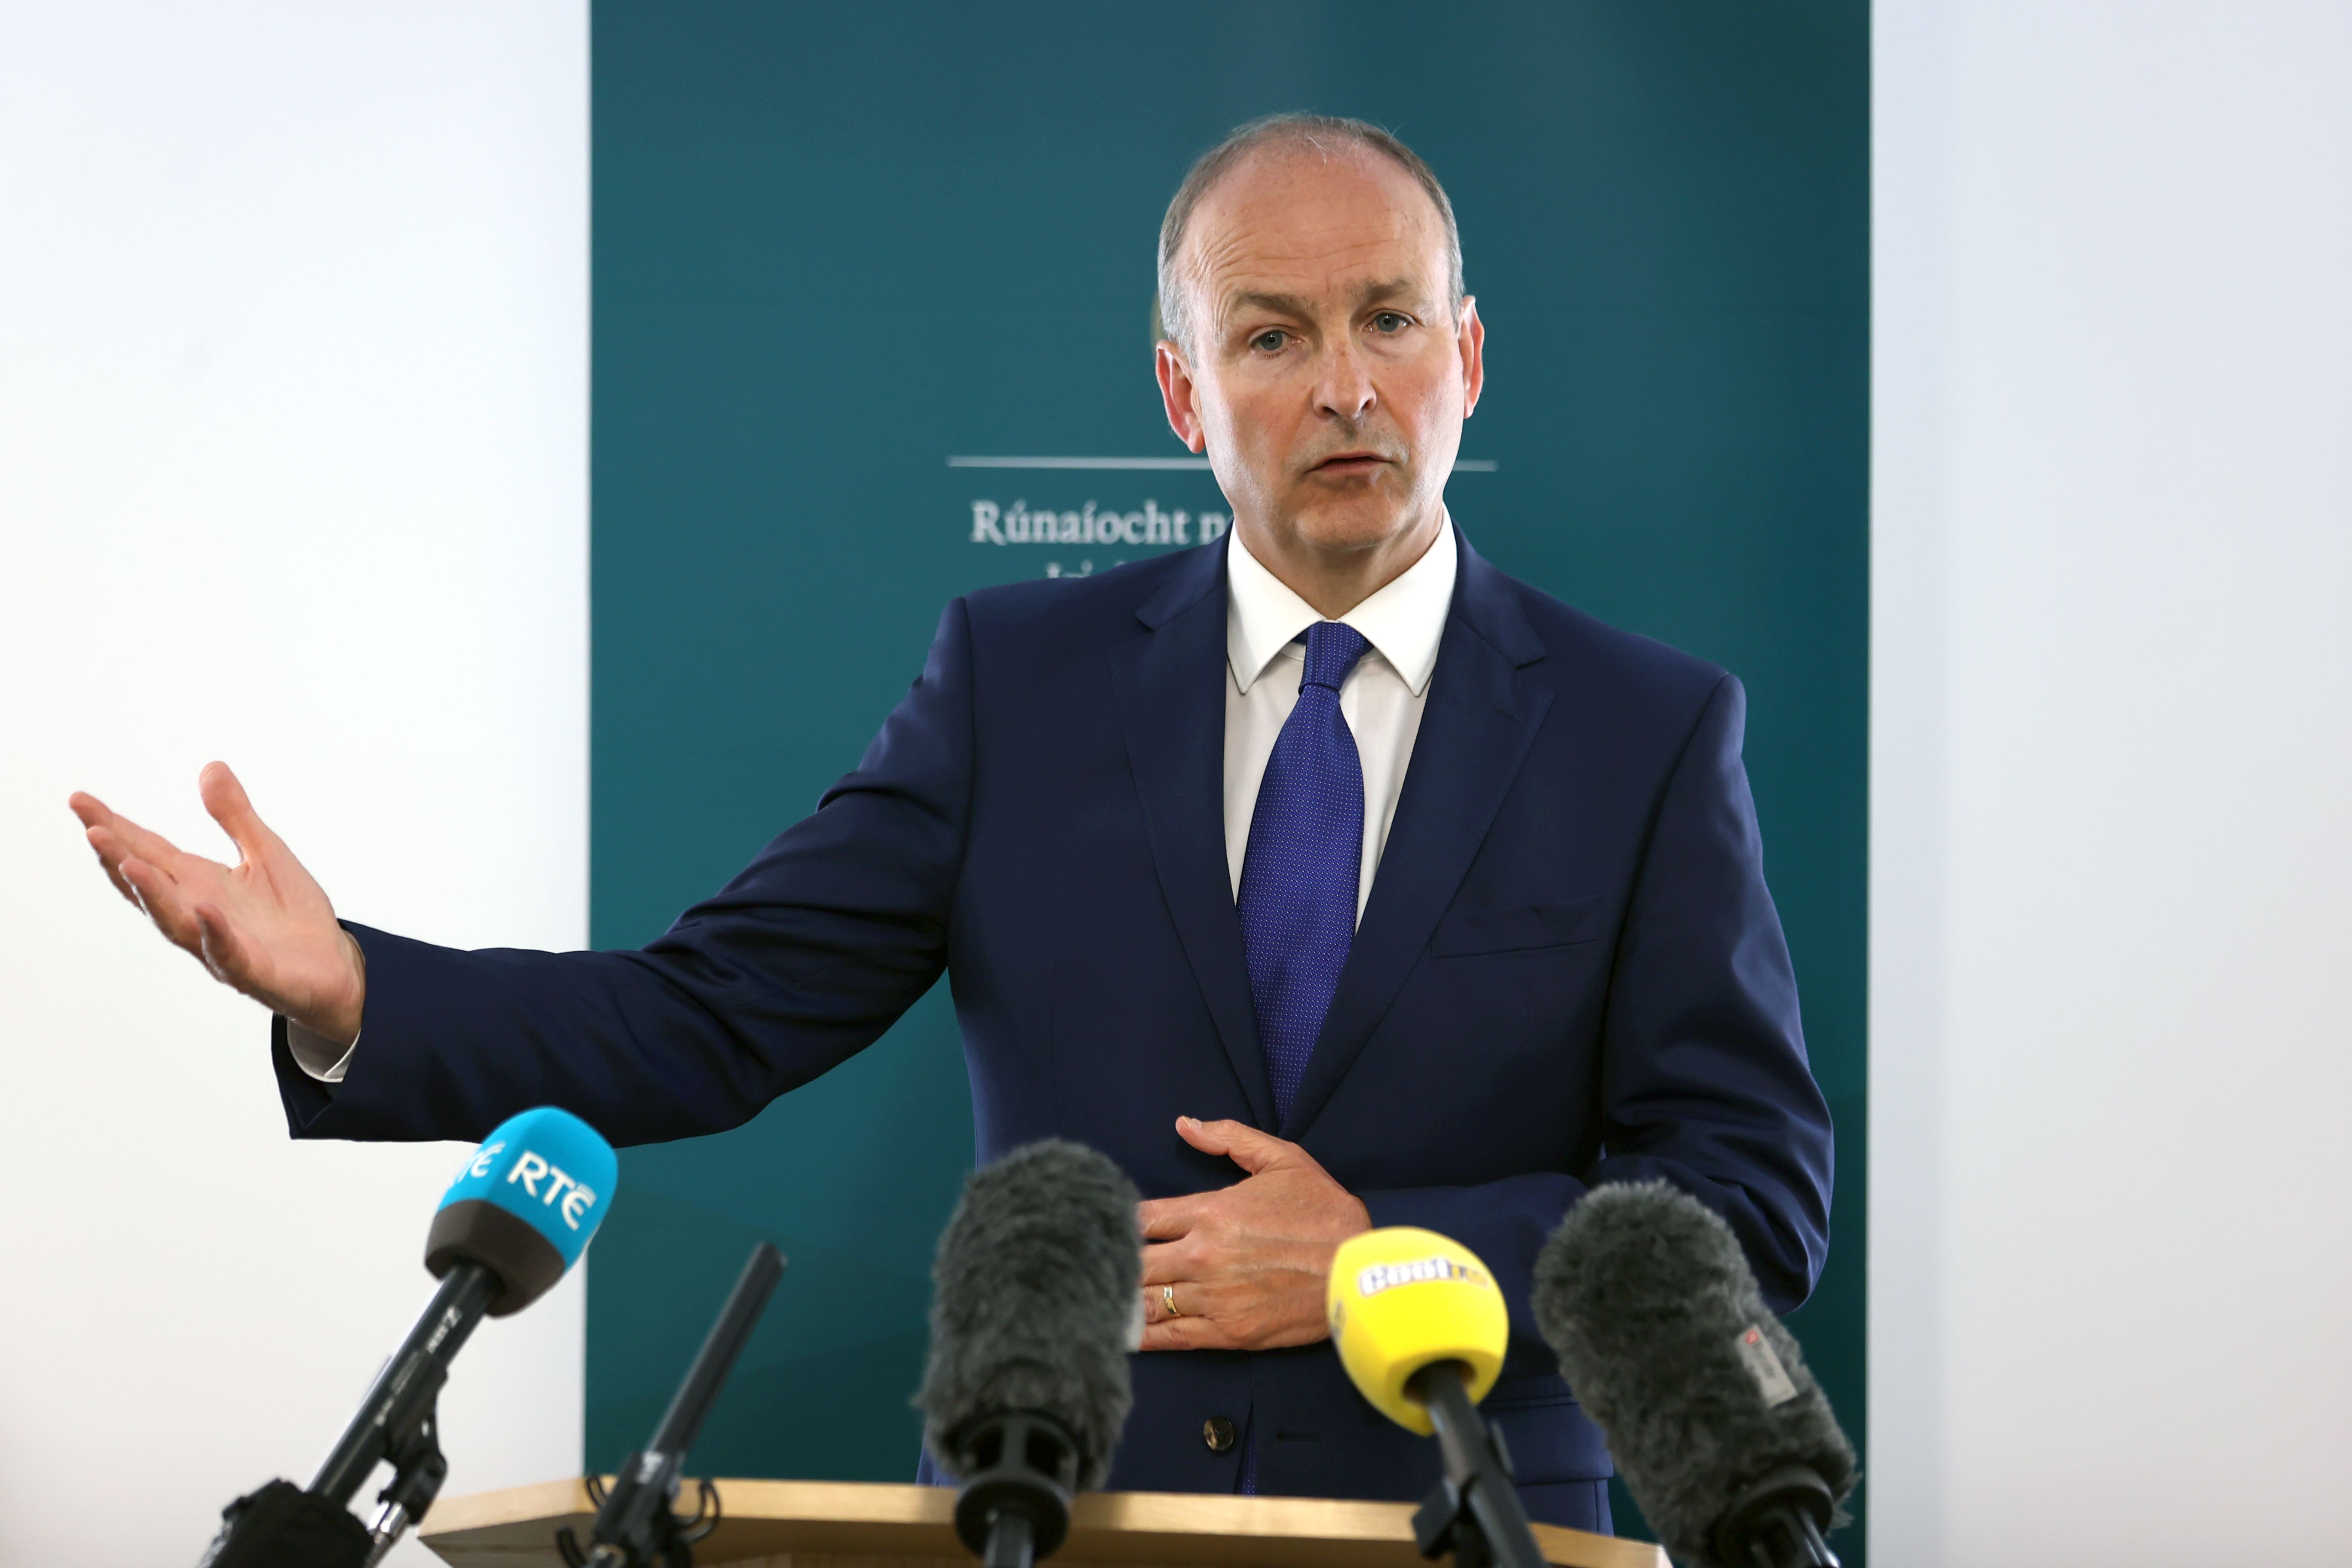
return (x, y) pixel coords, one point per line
(1521, 929)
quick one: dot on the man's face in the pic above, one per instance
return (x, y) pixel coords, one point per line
(1327, 377)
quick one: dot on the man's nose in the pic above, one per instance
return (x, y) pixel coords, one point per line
(1344, 388)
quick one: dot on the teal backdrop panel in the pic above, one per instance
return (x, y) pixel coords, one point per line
(837, 247)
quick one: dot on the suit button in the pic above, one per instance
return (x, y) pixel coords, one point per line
(1217, 1432)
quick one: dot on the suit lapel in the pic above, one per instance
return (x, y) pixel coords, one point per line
(1476, 730)
(1172, 704)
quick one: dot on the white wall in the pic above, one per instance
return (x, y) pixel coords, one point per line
(293, 390)
(2111, 1267)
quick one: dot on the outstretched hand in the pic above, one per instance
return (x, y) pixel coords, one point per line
(262, 926)
(1246, 1265)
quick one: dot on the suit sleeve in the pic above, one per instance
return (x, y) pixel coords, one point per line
(801, 961)
(1704, 1077)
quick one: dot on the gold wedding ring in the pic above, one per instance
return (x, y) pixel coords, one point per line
(1168, 1300)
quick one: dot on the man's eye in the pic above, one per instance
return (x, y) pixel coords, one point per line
(1271, 340)
(1390, 321)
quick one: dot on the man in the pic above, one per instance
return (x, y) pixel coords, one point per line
(1411, 893)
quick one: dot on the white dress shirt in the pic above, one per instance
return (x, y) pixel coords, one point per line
(318, 1055)
(1381, 698)
(1381, 701)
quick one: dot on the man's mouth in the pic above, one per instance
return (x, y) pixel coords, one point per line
(1349, 463)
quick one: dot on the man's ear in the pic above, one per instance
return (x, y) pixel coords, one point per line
(1472, 343)
(1178, 393)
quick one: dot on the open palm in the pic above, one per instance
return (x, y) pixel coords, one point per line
(263, 925)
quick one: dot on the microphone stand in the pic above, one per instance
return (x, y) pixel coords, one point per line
(1021, 1471)
(1475, 1511)
(1779, 1523)
(635, 1525)
(396, 1422)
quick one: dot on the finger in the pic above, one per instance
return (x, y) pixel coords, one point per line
(129, 837)
(1166, 1219)
(109, 851)
(226, 799)
(1168, 1263)
(1191, 1301)
(1187, 1335)
(158, 898)
(1245, 1145)
(1202, 1135)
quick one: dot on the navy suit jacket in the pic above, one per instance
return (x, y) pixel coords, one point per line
(1569, 972)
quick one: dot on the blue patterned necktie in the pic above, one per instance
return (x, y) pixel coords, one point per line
(1297, 899)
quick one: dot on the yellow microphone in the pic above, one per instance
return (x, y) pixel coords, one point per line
(1402, 1299)
(1421, 1326)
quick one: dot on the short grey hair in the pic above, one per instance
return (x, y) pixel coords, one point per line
(1325, 133)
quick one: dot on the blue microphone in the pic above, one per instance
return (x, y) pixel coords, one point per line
(524, 1206)
(520, 1214)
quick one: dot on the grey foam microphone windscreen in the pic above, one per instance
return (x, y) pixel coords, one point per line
(1037, 1284)
(1643, 1294)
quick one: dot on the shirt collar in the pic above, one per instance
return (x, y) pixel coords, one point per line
(1402, 622)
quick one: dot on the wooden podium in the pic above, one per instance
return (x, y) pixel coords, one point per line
(849, 1524)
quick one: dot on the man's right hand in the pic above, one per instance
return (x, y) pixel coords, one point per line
(262, 925)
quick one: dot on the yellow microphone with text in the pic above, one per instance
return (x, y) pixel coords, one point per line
(1421, 1326)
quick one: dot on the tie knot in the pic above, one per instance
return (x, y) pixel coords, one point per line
(1332, 650)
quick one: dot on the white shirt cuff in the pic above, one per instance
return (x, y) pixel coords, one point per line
(318, 1055)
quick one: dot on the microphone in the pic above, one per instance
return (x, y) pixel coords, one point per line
(1038, 1300)
(1722, 1434)
(636, 1524)
(520, 1214)
(1421, 1328)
